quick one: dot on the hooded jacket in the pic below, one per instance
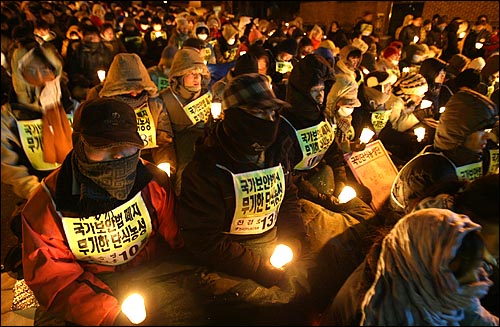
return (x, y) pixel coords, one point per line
(127, 73)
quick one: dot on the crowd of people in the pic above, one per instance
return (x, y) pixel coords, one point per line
(171, 152)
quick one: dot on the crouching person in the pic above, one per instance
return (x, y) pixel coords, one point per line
(102, 226)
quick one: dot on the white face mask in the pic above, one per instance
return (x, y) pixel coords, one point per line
(395, 62)
(345, 111)
(203, 37)
(231, 41)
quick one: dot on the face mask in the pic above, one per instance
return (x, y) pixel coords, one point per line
(231, 41)
(395, 62)
(203, 37)
(345, 111)
(250, 134)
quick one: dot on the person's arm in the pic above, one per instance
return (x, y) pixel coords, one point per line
(60, 283)
(165, 151)
(13, 172)
(202, 214)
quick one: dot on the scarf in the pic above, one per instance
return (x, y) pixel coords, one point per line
(114, 177)
(343, 127)
(136, 101)
(250, 134)
(414, 285)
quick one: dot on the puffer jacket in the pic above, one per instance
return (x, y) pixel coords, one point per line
(75, 292)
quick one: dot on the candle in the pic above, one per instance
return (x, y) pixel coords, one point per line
(420, 133)
(281, 256)
(101, 74)
(165, 166)
(415, 39)
(461, 35)
(216, 109)
(347, 194)
(479, 45)
(366, 135)
(406, 69)
(133, 307)
(425, 104)
(442, 109)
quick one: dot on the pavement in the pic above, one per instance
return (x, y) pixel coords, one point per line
(9, 279)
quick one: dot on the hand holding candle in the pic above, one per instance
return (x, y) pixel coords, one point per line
(133, 307)
(281, 256)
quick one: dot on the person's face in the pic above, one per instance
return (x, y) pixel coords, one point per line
(334, 27)
(37, 73)
(108, 34)
(184, 29)
(477, 141)
(284, 56)
(109, 153)
(192, 79)
(417, 22)
(353, 62)
(318, 93)
(91, 38)
(306, 50)
(440, 77)
(262, 64)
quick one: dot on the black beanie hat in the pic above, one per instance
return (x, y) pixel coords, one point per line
(245, 64)
(289, 46)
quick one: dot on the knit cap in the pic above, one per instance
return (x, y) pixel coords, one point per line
(250, 92)
(410, 83)
(466, 112)
(379, 78)
(288, 45)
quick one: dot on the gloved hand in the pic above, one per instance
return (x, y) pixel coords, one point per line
(295, 280)
(267, 275)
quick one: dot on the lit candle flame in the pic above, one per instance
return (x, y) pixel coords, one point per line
(479, 45)
(425, 104)
(216, 109)
(347, 194)
(461, 35)
(420, 133)
(101, 74)
(406, 69)
(366, 135)
(415, 39)
(281, 256)
(442, 109)
(133, 307)
(165, 166)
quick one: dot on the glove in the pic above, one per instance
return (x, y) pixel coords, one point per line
(267, 275)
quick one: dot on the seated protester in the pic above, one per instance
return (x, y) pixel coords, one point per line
(320, 173)
(233, 240)
(202, 32)
(180, 33)
(374, 112)
(489, 76)
(43, 33)
(245, 64)
(340, 104)
(427, 270)
(226, 46)
(108, 36)
(159, 73)
(388, 61)
(188, 104)
(398, 136)
(329, 51)
(128, 81)
(132, 38)
(36, 137)
(469, 78)
(156, 40)
(478, 200)
(86, 189)
(461, 149)
(414, 55)
(349, 63)
(281, 64)
(434, 71)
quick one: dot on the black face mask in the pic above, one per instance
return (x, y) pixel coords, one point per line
(251, 134)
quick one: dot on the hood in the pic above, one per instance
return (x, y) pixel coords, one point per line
(126, 73)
